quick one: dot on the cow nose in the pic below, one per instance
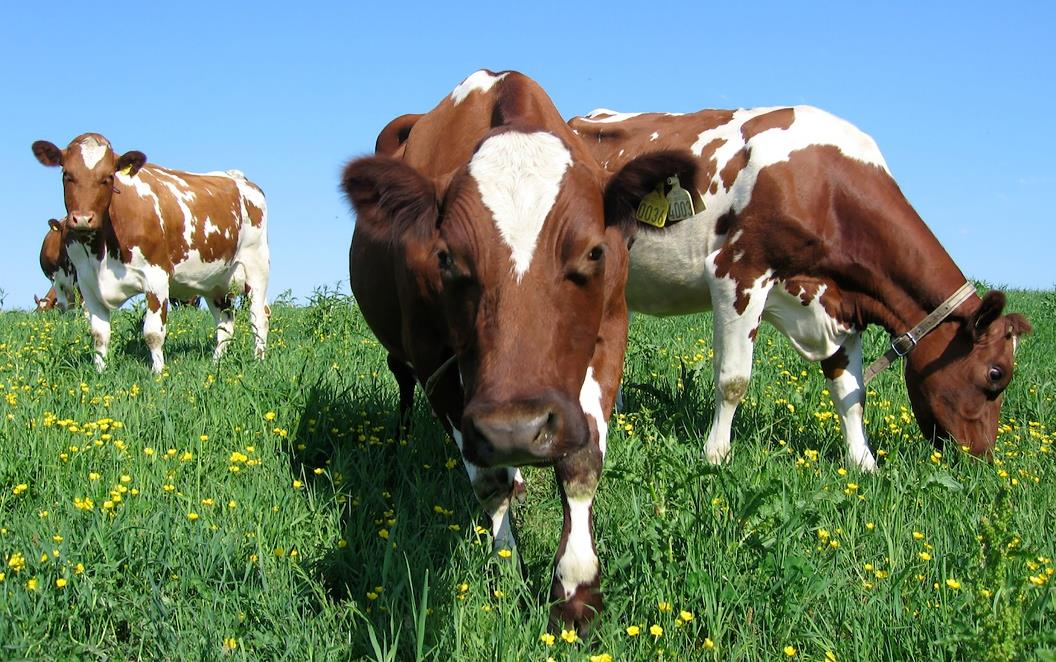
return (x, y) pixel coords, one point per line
(82, 220)
(512, 434)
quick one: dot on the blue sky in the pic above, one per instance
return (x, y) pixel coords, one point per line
(960, 98)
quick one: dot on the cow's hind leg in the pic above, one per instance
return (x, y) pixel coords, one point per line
(99, 320)
(154, 321)
(224, 315)
(404, 375)
(737, 315)
(843, 370)
(259, 312)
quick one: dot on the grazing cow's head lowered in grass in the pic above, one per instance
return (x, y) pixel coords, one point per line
(524, 246)
(957, 375)
(89, 164)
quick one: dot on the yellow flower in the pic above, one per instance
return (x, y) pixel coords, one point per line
(870, 525)
(203, 437)
(31, 585)
(505, 553)
(93, 476)
(230, 644)
(924, 556)
(830, 656)
(192, 516)
(19, 489)
(633, 630)
(297, 484)
(709, 644)
(547, 638)
(79, 569)
(953, 584)
(823, 535)
(656, 630)
(148, 451)
(569, 636)
(664, 607)
(604, 657)
(384, 533)
(16, 562)
(686, 616)
(60, 582)
(270, 416)
(790, 651)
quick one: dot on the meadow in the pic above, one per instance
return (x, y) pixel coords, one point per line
(263, 511)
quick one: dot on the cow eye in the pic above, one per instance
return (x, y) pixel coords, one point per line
(66, 176)
(995, 374)
(595, 253)
(443, 259)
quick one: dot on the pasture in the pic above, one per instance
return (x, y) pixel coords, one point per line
(262, 510)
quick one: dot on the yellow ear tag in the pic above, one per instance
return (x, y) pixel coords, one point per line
(127, 170)
(652, 210)
(680, 201)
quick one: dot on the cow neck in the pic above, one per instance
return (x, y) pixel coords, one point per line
(900, 294)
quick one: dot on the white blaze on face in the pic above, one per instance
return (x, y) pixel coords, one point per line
(590, 401)
(92, 151)
(519, 176)
(479, 81)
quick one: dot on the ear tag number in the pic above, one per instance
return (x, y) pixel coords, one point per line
(679, 201)
(653, 208)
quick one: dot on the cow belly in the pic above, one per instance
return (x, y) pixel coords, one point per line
(668, 273)
(814, 333)
(195, 276)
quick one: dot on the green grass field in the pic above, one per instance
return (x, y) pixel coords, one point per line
(261, 510)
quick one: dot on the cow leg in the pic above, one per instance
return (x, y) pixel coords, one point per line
(154, 321)
(224, 316)
(575, 588)
(734, 340)
(99, 320)
(494, 488)
(843, 370)
(259, 313)
(404, 375)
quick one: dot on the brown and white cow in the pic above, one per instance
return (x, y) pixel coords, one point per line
(799, 222)
(56, 265)
(489, 258)
(134, 227)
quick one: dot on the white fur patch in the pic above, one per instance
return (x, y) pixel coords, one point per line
(479, 81)
(519, 176)
(578, 565)
(92, 151)
(590, 401)
(610, 116)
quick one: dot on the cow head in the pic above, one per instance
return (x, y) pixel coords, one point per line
(957, 374)
(89, 165)
(523, 244)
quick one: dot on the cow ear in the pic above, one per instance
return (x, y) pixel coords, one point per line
(388, 195)
(625, 190)
(54, 225)
(47, 153)
(131, 162)
(395, 134)
(988, 311)
(1019, 325)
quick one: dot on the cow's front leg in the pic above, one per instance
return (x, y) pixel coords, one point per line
(493, 487)
(737, 315)
(99, 320)
(576, 586)
(843, 370)
(154, 328)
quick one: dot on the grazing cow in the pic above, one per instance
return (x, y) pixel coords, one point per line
(135, 227)
(489, 259)
(799, 222)
(55, 264)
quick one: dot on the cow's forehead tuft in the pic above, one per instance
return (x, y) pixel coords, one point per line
(92, 148)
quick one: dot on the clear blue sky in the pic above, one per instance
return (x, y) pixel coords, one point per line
(960, 99)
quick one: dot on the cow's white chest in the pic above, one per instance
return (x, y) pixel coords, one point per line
(111, 281)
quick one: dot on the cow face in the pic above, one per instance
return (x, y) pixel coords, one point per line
(522, 248)
(956, 376)
(89, 165)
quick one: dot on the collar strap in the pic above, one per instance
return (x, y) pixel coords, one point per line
(430, 384)
(904, 344)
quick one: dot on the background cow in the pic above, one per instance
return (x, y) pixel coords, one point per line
(799, 222)
(135, 227)
(56, 265)
(493, 239)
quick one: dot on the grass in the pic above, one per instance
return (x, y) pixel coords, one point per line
(261, 510)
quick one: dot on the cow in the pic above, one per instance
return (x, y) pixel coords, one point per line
(799, 222)
(55, 263)
(489, 257)
(134, 227)
(48, 302)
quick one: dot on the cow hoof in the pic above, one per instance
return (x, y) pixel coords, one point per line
(864, 462)
(578, 612)
(716, 456)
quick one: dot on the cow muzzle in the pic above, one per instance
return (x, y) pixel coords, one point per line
(524, 432)
(81, 222)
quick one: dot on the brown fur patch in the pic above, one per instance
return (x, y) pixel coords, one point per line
(734, 166)
(776, 119)
(834, 366)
